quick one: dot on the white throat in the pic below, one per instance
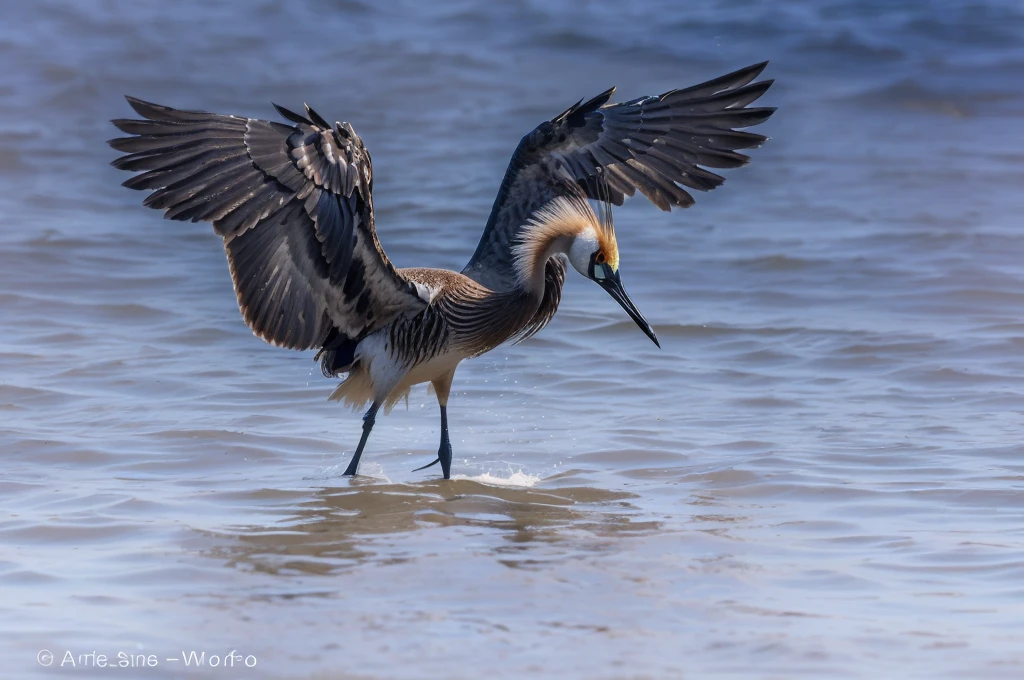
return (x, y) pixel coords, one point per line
(582, 249)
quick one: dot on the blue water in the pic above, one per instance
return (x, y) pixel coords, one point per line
(819, 475)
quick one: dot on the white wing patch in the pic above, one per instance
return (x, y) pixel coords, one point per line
(425, 293)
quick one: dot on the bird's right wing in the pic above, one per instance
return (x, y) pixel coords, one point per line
(660, 145)
(294, 206)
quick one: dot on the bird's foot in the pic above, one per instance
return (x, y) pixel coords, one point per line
(444, 457)
(444, 454)
(436, 461)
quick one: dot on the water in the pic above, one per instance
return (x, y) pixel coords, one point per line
(820, 475)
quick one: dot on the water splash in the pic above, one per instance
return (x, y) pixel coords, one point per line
(515, 478)
(366, 469)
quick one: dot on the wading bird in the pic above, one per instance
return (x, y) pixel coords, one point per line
(294, 206)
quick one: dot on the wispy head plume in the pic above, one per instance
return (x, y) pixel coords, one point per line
(563, 216)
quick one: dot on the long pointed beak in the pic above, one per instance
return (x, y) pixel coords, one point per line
(613, 284)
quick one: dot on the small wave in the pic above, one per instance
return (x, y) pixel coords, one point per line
(907, 94)
(368, 469)
(374, 472)
(518, 479)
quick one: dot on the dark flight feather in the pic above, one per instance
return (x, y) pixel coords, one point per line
(654, 144)
(294, 206)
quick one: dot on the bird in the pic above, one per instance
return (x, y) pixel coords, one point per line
(293, 203)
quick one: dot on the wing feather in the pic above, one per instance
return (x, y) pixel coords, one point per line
(655, 144)
(293, 204)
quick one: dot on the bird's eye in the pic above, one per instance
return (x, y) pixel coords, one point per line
(600, 258)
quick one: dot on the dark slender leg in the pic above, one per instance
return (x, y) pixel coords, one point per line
(444, 452)
(368, 419)
(443, 387)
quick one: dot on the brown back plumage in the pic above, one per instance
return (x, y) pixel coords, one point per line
(477, 319)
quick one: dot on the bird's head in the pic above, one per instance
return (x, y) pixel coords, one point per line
(595, 254)
(567, 224)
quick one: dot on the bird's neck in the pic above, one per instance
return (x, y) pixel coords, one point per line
(479, 319)
(532, 257)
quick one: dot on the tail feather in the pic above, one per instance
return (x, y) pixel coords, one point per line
(356, 391)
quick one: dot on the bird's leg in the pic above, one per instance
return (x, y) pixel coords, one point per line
(444, 451)
(443, 386)
(371, 415)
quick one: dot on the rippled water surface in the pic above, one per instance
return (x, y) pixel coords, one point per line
(820, 475)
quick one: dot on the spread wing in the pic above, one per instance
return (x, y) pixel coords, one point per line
(660, 145)
(293, 204)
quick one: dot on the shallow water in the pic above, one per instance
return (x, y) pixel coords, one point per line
(820, 475)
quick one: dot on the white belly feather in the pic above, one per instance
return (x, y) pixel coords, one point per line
(379, 377)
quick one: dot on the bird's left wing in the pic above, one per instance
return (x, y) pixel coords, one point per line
(660, 145)
(294, 206)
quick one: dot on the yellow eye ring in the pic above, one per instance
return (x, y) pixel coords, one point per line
(600, 258)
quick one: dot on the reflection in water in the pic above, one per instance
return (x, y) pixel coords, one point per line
(344, 526)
